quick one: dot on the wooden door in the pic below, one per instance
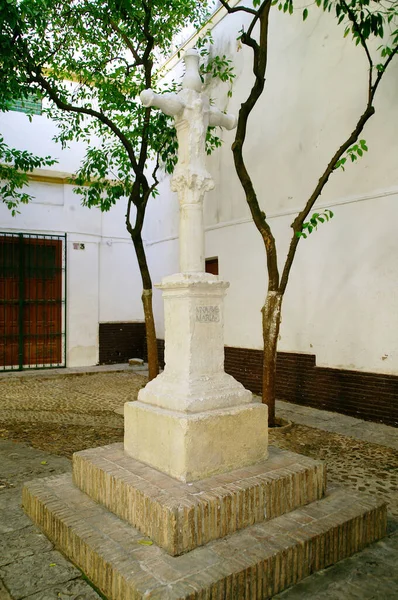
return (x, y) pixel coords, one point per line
(31, 298)
(9, 301)
(211, 266)
(42, 307)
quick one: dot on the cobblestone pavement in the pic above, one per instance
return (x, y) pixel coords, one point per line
(63, 413)
(376, 433)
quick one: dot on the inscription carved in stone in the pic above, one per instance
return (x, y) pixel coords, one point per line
(207, 314)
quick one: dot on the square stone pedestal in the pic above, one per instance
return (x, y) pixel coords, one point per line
(194, 420)
(193, 446)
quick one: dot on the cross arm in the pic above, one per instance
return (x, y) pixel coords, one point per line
(218, 118)
(169, 103)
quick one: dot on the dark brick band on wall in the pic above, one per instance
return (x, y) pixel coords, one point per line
(369, 396)
(120, 341)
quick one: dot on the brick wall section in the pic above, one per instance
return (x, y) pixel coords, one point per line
(369, 396)
(246, 366)
(161, 353)
(120, 341)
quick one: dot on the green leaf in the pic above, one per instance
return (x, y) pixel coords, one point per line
(363, 145)
(145, 542)
(314, 221)
(305, 14)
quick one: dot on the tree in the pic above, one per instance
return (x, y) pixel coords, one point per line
(91, 59)
(366, 21)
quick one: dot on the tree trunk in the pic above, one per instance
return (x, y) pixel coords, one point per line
(151, 342)
(271, 324)
(152, 347)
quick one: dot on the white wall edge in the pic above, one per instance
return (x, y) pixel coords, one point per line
(78, 235)
(215, 18)
(276, 215)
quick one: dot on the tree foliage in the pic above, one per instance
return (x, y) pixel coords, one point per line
(14, 168)
(90, 60)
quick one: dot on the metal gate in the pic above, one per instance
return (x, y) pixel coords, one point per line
(32, 301)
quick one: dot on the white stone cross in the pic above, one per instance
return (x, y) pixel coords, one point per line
(192, 115)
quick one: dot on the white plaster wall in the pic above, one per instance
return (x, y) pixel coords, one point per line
(120, 285)
(340, 302)
(103, 282)
(83, 304)
(36, 137)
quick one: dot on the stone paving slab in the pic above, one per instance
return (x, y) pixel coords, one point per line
(49, 568)
(26, 554)
(256, 562)
(4, 595)
(12, 518)
(370, 575)
(70, 590)
(20, 462)
(16, 546)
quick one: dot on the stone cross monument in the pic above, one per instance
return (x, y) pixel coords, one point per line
(263, 527)
(194, 420)
(193, 115)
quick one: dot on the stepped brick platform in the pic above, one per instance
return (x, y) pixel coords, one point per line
(254, 563)
(182, 516)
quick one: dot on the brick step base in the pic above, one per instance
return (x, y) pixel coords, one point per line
(255, 563)
(182, 516)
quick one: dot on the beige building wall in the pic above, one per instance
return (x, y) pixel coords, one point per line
(340, 303)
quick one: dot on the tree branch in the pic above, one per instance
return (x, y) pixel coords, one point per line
(148, 64)
(381, 73)
(260, 52)
(149, 47)
(63, 105)
(256, 17)
(126, 39)
(299, 220)
(235, 9)
(357, 29)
